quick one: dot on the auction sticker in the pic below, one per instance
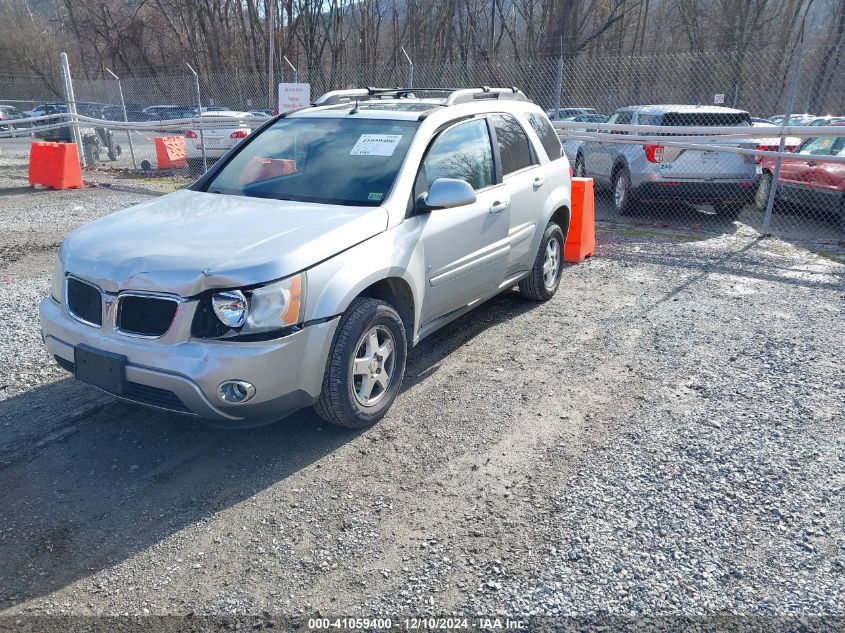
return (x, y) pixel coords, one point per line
(376, 145)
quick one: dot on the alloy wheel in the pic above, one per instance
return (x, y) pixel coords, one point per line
(551, 263)
(373, 366)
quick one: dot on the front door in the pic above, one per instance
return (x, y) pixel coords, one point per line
(466, 248)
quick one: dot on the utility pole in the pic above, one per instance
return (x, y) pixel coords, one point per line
(271, 49)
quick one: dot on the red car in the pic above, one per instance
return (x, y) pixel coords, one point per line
(805, 180)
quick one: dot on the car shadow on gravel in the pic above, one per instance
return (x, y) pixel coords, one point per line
(105, 480)
(118, 480)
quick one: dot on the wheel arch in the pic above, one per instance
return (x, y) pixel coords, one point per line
(397, 292)
(562, 216)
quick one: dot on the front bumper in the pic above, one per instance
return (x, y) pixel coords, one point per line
(183, 377)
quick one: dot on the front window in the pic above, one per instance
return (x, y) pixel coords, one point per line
(332, 161)
(461, 152)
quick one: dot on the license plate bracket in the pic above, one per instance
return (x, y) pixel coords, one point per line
(100, 369)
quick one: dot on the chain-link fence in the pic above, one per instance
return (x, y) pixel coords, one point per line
(669, 165)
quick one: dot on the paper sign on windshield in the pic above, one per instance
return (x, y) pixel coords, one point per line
(376, 145)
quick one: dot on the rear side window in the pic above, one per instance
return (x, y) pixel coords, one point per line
(547, 134)
(706, 119)
(463, 152)
(514, 147)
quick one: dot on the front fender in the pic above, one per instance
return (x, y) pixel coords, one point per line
(395, 253)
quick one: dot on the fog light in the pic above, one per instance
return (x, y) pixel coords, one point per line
(236, 391)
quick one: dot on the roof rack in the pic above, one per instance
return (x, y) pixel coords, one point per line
(455, 95)
(485, 92)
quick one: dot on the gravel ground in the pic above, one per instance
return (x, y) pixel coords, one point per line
(664, 437)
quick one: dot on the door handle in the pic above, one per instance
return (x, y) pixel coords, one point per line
(498, 207)
(812, 163)
(538, 181)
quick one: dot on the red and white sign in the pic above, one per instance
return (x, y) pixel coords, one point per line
(293, 96)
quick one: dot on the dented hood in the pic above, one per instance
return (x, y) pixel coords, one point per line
(190, 241)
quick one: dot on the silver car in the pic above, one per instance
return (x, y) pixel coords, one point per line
(301, 267)
(634, 171)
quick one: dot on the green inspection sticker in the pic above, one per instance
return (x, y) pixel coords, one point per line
(375, 196)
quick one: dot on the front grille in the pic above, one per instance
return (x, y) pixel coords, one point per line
(154, 396)
(84, 302)
(142, 394)
(145, 316)
(65, 364)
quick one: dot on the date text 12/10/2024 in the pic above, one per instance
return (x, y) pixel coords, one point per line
(419, 624)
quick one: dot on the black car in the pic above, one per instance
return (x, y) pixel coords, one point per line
(115, 113)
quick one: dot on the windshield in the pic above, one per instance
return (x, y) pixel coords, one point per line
(333, 161)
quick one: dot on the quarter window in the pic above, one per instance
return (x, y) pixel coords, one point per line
(514, 147)
(547, 134)
(462, 152)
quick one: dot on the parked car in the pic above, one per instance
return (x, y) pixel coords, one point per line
(826, 120)
(218, 140)
(264, 113)
(46, 109)
(806, 179)
(165, 112)
(571, 145)
(564, 114)
(11, 113)
(211, 109)
(772, 144)
(635, 171)
(300, 269)
(115, 113)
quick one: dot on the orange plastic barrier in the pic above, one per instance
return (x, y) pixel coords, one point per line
(581, 240)
(171, 152)
(54, 165)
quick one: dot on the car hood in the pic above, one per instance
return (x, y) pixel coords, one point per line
(189, 241)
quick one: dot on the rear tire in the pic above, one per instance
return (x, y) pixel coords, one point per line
(542, 282)
(623, 197)
(728, 210)
(761, 197)
(365, 366)
(580, 170)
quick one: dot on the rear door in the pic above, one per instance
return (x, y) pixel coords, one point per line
(802, 170)
(466, 248)
(525, 180)
(691, 164)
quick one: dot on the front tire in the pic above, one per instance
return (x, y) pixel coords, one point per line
(542, 282)
(365, 366)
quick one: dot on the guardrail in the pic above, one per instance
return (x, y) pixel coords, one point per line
(63, 119)
(698, 138)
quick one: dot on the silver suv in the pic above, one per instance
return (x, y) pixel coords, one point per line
(301, 267)
(636, 171)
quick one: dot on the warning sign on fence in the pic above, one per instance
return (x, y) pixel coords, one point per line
(293, 96)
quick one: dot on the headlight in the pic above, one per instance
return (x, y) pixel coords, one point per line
(275, 306)
(57, 282)
(272, 307)
(230, 307)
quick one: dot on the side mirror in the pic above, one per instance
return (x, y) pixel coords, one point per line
(446, 193)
